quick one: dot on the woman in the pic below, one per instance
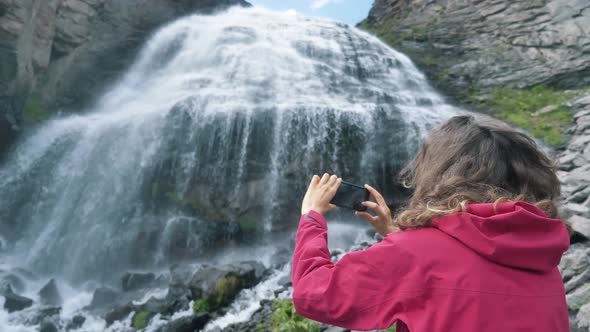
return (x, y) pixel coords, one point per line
(476, 249)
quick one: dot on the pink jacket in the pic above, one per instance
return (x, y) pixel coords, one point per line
(472, 271)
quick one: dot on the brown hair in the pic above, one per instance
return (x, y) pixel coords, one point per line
(468, 160)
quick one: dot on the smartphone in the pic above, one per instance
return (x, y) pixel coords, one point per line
(350, 196)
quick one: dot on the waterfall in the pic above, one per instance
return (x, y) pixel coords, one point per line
(210, 137)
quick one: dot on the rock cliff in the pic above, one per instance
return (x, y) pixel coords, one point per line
(473, 45)
(58, 55)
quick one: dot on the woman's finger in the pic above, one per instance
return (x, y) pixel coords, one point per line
(332, 180)
(333, 207)
(324, 178)
(366, 216)
(371, 205)
(378, 197)
(314, 181)
(336, 184)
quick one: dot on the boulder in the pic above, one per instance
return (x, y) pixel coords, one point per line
(48, 325)
(186, 324)
(43, 314)
(76, 323)
(580, 225)
(574, 261)
(579, 297)
(119, 313)
(103, 297)
(16, 302)
(583, 317)
(49, 294)
(218, 286)
(133, 281)
(11, 281)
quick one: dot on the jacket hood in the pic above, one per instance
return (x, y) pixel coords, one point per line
(518, 234)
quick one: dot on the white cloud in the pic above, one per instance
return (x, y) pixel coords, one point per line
(317, 4)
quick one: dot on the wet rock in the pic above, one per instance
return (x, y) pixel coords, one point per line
(48, 325)
(76, 323)
(134, 281)
(103, 297)
(186, 324)
(119, 313)
(141, 319)
(49, 294)
(16, 302)
(44, 313)
(11, 281)
(219, 285)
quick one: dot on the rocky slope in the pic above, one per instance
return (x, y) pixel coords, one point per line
(575, 178)
(467, 46)
(59, 54)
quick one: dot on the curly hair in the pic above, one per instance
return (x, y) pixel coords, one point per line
(468, 160)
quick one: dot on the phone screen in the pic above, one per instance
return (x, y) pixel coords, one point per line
(350, 196)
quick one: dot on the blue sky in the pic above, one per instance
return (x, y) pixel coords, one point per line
(347, 11)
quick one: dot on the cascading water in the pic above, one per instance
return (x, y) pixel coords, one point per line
(210, 137)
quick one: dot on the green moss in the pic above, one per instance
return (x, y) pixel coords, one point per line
(427, 61)
(225, 288)
(200, 305)
(34, 110)
(140, 319)
(286, 319)
(262, 327)
(520, 106)
(249, 225)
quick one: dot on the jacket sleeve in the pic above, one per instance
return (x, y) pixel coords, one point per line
(363, 291)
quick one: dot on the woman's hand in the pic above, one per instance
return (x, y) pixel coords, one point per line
(382, 222)
(320, 193)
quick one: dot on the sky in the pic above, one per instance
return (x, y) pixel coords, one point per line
(347, 11)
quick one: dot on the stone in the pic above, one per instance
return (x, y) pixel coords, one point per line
(49, 294)
(186, 324)
(220, 285)
(580, 225)
(48, 325)
(574, 261)
(576, 299)
(133, 281)
(118, 313)
(16, 302)
(11, 281)
(103, 297)
(583, 317)
(580, 196)
(577, 209)
(577, 280)
(76, 323)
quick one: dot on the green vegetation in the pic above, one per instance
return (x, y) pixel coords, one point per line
(262, 326)
(34, 110)
(200, 305)
(249, 225)
(521, 107)
(140, 319)
(286, 319)
(225, 289)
